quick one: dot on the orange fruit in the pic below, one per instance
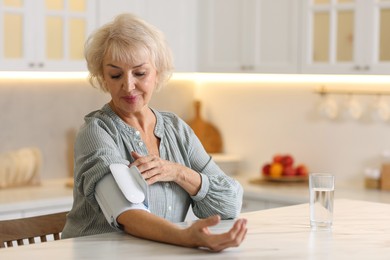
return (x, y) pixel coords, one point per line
(276, 170)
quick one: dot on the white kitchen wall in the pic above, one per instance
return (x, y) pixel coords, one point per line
(258, 120)
(45, 113)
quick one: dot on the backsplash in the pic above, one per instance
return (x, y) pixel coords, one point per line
(256, 121)
(46, 113)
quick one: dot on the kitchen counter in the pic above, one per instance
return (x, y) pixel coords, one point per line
(296, 193)
(361, 230)
(54, 196)
(49, 197)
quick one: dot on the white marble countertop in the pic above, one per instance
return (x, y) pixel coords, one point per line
(55, 191)
(361, 230)
(296, 193)
(48, 189)
(49, 193)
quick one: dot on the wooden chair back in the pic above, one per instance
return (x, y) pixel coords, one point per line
(27, 229)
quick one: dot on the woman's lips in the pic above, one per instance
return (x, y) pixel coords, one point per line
(129, 99)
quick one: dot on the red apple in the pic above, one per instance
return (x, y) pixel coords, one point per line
(287, 160)
(277, 158)
(288, 171)
(301, 170)
(266, 169)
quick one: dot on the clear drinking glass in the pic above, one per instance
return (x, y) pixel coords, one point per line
(321, 187)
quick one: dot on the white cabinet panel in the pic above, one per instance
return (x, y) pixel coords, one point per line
(107, 10)
(32, 208)
(254, 204)
(346, 37)
(276, 32)
(248, 36)
(11, 215)
(46, 210)
(44, 35)
(175, 18)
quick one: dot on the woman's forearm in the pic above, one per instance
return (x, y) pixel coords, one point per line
(143, 224)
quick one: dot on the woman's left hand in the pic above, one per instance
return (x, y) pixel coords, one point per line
(154, 169)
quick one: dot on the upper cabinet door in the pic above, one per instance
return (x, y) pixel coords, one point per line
(66, 25)
(45, 34)
(379, 59)
(248, 36)
(222, 35)
(346, 36)
(16, 46)
(175, 18)
(275, 27)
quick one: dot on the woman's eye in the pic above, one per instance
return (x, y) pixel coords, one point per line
(139, 74)
(115, 76)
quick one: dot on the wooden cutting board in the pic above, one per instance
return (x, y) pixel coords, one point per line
(207, 133)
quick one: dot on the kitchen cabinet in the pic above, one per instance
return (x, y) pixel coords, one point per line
(35, 208)
(44, 35)
(50, 196)
(248, 36)
(254, 204)
(175, 18)
(346, 36)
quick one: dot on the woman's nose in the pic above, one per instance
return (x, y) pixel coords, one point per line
(128, 83)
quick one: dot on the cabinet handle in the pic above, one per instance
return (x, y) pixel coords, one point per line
(366, 67)
(247, 67)
(39, 65)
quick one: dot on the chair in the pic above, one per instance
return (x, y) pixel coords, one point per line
(27, 229)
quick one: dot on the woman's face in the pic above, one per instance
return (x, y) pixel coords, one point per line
(131, 85)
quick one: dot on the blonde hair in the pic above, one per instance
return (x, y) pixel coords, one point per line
(125, 38)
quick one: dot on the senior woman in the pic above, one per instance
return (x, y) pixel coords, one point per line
(130, 60)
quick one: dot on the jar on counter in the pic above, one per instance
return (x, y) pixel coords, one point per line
(372, 177)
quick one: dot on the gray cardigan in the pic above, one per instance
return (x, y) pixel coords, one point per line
(105, 139)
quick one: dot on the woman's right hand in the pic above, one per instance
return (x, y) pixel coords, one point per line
(199, 234)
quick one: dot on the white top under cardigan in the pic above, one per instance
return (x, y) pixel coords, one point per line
(105, 139)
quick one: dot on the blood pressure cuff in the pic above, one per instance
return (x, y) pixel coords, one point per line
(113, 202)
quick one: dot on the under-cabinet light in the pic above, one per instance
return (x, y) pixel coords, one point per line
(220, 77)
(293, 78)
(43, 75)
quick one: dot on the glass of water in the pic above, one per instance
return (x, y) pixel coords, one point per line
(321, 187)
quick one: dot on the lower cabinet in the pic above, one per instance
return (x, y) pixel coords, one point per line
(254, 204)
(32, 209)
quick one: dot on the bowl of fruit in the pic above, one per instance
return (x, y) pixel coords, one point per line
(282, 169)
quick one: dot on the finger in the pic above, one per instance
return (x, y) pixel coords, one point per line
(208, 222)
(152, 176)
(232, 238)
(239, 237)
(202, 225)
(234, 243)
(137, 157)
(145, 163)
